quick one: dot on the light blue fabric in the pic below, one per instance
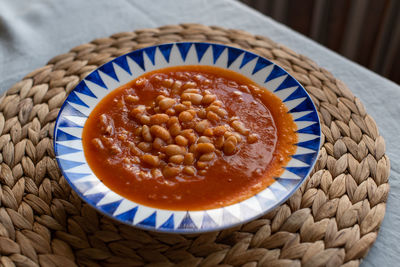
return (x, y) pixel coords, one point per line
(32, 32)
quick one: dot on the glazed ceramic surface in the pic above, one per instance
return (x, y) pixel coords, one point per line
(85, 96)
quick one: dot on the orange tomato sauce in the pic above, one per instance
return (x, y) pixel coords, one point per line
(229, 178)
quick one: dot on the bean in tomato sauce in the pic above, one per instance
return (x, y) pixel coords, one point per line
(189, 138)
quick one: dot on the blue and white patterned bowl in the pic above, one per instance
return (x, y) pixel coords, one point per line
(85, 96)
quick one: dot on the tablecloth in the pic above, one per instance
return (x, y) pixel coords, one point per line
(32, 32)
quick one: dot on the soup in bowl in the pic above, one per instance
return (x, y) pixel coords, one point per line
(187, 137)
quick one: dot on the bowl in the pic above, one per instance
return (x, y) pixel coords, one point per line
(84, 97)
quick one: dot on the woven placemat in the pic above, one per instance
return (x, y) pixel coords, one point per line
(331, 221)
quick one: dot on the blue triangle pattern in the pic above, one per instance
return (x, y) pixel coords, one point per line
(184, 49)
(312, 129)
(61, 150)
(265, 203)
(217, 51)
(233, 54)
(288, 82)
(85, 186)
(137, 56)
(94, 198)
(208, 222)
(277, 191)
(83, 89)
(187, 223)
(166, 51)
(306, 158)
(76, 176)
(149, 221)
(63, 136)
(73, 98)
(111, 207)
(300, 171)
(228, 218)
(303, 106)
(94, 77)
(108, 69)
(201, 49)
(68, 164)
(128, 216)
(289, 184)
(246, 211)
(151, 52)
(261, 63)
(313, 116)
(275, 73)
(311, 144)
(298, 93)
(63, 122)
(169, 224)
(247, 58)
(123, 63)
(71, 111)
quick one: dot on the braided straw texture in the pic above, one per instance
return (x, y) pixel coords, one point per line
(332, 220)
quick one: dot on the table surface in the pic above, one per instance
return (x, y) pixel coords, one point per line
(32, 32)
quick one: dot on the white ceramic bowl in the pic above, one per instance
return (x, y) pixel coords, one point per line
(85, 96)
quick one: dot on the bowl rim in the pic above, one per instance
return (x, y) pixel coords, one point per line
(176, 230)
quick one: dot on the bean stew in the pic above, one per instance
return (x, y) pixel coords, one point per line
(189, 138)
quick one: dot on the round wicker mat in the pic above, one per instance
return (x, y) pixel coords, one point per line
(331, 221)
